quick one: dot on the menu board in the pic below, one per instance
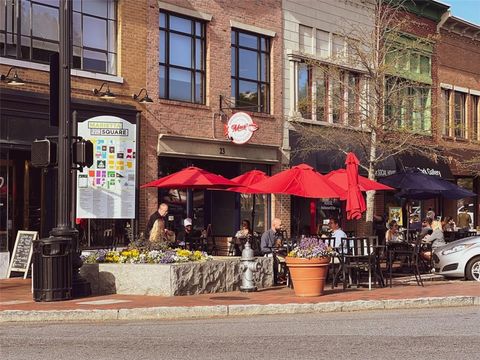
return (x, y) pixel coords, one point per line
(22, 252)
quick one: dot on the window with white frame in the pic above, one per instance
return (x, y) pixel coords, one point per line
(328, 96)
(37, 32)
(305, 39)
(474, 111)
(323, 43)
(446, 111)
(459, 121)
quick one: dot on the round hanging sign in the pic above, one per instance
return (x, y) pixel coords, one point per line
(240, 128)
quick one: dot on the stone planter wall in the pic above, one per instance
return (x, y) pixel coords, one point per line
(219, 275)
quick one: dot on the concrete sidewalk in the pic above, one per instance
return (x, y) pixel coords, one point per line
(16, 303)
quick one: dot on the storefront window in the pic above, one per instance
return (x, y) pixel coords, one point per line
(467, 204)
(224, 210)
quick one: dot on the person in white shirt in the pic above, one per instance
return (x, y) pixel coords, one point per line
(337, 232)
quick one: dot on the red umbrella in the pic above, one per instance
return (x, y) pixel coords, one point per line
(301, 180)
(340, 178)
(248, 179)
(355, 201)
(191, 178)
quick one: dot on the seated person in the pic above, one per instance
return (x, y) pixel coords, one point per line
(393, 235)
(270, 238)
(336, 231)
(449, 224)
(236, 244)
(436, 239)
(426, 228)
(159, 236)
(187, 236)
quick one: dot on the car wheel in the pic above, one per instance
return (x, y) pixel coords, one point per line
(472, 271)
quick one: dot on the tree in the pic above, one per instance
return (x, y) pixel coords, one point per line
(373, 94)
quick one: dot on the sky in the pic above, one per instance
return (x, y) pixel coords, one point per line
(466, 9)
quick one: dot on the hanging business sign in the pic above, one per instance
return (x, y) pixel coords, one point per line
(107, 189)
(240, 128)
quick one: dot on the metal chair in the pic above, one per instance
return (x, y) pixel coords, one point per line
(411, 253)
(358, 255)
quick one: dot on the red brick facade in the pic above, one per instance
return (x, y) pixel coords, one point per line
(203, 121)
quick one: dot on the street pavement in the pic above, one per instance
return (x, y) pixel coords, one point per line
(16, 303)
(437, 333)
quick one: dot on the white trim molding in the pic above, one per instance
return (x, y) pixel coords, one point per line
(74, 72)
(184, 11)
(460, 89)
(252, 28)
(446, 86)
(474, 92)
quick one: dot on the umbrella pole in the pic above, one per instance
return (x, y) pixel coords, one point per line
(190, 203)
(253, 213)
(313, 213)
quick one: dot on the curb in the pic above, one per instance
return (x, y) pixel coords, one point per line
(194, 312)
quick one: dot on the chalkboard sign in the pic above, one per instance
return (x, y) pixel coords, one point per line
(22, 252)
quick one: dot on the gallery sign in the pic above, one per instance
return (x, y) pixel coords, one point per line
(240, 128)
(106, 190)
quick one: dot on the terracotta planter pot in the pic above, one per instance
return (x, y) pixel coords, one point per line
(308, 275)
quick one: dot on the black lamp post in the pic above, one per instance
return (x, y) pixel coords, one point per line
(64, 226)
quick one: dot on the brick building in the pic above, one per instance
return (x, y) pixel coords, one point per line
(317, 37)
(109, 42)
(205, 62)
(459, 103)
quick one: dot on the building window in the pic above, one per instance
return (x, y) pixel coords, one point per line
(446, 112)
(328, 96)
(459, 115)
(94, 32)
(323, 44)
(250, 71)
(181, 58)
(408, 105)
(305, 39)
(474, 109)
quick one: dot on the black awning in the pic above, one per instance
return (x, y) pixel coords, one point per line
(325, 161)
(426, 165)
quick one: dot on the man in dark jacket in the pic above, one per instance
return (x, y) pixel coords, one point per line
(267, 243)
(161, 213)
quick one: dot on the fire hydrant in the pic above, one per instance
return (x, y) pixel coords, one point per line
(248, 267)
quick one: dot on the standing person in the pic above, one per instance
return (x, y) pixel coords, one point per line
(464, 220)
(161, 215)
(337, 232)
(269, 237)
(430, 214)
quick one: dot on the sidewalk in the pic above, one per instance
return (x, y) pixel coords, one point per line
(16, 303)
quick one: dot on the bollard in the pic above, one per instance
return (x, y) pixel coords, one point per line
(248, 267)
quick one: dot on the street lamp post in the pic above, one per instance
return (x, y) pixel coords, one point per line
(64, 227)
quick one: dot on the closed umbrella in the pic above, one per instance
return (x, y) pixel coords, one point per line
(339, 177)
(355, 201)
(301, 180)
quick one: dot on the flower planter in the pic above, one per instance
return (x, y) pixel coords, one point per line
(308, 275)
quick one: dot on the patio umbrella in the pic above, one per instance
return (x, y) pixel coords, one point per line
(191, 178)
(355, 201)
(301, 180)
(453, 192)
(414, 180)
(339, 177)
(245, 180)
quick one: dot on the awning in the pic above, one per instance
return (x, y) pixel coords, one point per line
(325, 161)
(425, 164)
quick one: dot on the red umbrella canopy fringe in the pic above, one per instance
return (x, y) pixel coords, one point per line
(191, 178)
(301, 180)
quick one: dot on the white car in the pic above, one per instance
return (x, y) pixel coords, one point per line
(460, 258)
